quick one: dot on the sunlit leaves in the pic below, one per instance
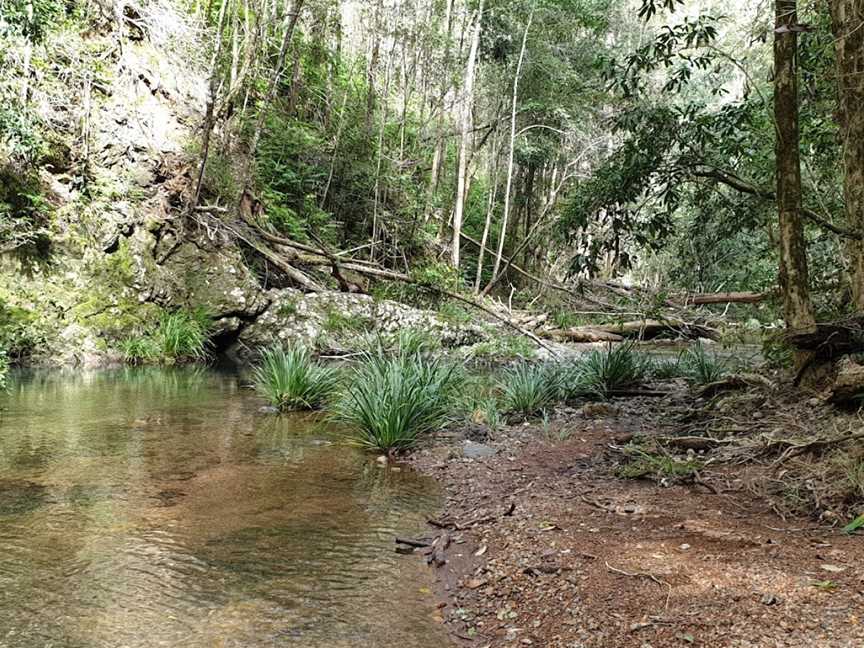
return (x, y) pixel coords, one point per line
(681, 46)
(649, 8)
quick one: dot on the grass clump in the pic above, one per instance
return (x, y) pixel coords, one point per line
(181, 336)
(528, 389)
(700, 366)
(602, 372)
(503, 348)
(392, 400)
(292, 380)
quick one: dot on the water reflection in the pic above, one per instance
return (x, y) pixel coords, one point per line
(159, 508)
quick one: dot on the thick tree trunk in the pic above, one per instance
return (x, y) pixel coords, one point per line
(466, 124)
(847, 17)
(797, 309)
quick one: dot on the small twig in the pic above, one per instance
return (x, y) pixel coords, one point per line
(651, 577)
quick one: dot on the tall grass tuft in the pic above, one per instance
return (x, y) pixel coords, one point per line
(700, 366)
(292, 380)
(391, 400)
(184, 335)
(528, 389)
(179, 337)
(600, 373)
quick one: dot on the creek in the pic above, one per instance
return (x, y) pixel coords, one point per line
(145, 507)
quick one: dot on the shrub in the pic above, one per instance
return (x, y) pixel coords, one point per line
(700, 366)
(530, 388)
(292, 380)
(391, 400)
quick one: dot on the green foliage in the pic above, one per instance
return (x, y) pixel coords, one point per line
(438, 274)
(292, 380)
(140, 350)
(854, 525)
(32, 19)
(339, 323)
(220, 181)
(659, 466)
(700, 366)
(406, 340)
(502, 348)
(391, 400)
(453, 313)
(565, 319)
(18, 332)
(184, 335)
(665, 368)
(24, 210)
(4, 371)
(776, 351)
(528, 389)
(181, 336)
(601, 372)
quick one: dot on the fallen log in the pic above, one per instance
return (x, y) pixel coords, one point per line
(848, 385)
(735, 381)
(582, 334)
(648, 329)
(700, 299)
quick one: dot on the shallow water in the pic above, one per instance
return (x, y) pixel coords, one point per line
(160, 508)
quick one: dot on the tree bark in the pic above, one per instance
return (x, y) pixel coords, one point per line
(847, 18)
(209, 116)
(465, 141)
(503, 231)
(797, 309)
(272, 89)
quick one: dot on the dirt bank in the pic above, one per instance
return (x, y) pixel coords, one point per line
(550, 548)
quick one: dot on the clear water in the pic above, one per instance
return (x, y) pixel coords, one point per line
(161, 508)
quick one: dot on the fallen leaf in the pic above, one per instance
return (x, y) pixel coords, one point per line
(480, 551)
(834, 569)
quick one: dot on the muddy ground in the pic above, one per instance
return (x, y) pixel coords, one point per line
(548, 547)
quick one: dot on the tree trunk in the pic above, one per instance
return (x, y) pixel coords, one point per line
(797, 309)
(490, 207)
(509, 184)
(438, 155)
(272, 89)
(209, 117)
(465, 143)
(847, 17)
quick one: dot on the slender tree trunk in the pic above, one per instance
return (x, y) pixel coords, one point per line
(794, 283)
(209, 120)
(503, 232)
(490, 207)
(438, 155)
(272, 89)
(465, 140)
(28, 55)
(847, 19)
